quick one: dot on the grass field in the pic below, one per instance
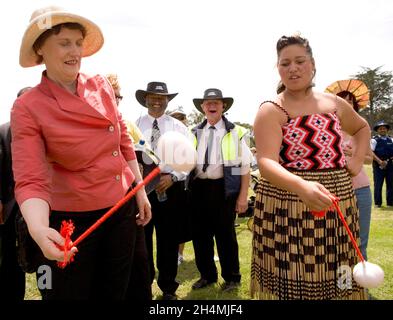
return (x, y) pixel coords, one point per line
(380, 251)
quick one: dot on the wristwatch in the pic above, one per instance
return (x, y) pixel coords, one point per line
(174, 178)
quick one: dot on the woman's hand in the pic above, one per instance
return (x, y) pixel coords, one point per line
(144, 215)
(354, 165)
(36, 214)
(50, 241)
(315, 196)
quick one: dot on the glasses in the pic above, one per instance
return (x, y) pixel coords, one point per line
(118, 97)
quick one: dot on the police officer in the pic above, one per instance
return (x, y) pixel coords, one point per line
(219, 186)
(382, 146)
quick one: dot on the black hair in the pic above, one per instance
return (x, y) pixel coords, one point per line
(286, 41)
(345, 93)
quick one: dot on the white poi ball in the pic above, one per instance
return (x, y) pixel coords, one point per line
(177, 151)
(368, 275)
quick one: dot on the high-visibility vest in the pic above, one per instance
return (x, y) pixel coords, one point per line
(231, 148)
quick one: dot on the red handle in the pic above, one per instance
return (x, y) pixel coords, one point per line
(67, 225)
(121, 202)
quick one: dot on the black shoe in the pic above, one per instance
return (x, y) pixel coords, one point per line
(169, 296)
(201, 283)
(229, 286)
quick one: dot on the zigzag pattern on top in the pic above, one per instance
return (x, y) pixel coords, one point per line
(312, 142)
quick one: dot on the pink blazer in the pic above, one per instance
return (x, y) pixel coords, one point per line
(69, 150)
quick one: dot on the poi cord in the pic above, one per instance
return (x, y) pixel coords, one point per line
(67, 227)
(335, 204)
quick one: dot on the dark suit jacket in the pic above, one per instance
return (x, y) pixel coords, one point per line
(7, 182)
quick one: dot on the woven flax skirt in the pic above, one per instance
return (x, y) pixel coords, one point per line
(297, 255)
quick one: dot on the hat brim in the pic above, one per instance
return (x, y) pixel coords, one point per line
(92, 42)
(382, 125)
(140, 95)
(227, 102)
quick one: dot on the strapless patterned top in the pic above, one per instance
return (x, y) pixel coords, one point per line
(312, 142)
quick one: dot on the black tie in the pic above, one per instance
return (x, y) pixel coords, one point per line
(155, 134)
(208, 148)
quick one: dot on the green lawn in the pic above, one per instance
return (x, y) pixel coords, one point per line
(380, 251)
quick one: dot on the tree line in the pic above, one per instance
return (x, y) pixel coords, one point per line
(380, 85)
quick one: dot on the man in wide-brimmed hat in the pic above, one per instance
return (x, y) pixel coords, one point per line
(219, 187)
(168, 202)
(382, 146)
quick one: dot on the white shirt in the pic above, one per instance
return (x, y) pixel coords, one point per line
(373, 142)
(215, 169)
(165, 124)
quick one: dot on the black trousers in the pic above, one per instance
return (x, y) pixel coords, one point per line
(213, 216)
(381, 175)
(102, 267)
(167, 221)
(12, 278)
(139, 287)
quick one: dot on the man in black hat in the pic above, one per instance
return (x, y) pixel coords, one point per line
(219, 187)
(168, 203)
(382, 146)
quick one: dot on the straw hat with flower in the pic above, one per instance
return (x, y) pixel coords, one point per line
(48, 17)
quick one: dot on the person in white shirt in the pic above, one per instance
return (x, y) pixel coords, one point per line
(169, 201)
(219, 187)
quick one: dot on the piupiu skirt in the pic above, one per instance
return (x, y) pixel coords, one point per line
(297, 255)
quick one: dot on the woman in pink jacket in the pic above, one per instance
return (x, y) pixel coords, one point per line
(73, 159)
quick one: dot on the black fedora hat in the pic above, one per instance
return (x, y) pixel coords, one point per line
(153, 88)
(381, 123)
(213, 94)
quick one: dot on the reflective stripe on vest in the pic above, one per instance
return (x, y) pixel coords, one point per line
(229, 143)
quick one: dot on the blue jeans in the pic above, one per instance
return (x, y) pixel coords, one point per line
(364, 203)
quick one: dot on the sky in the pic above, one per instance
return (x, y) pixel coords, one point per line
(192, 45)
